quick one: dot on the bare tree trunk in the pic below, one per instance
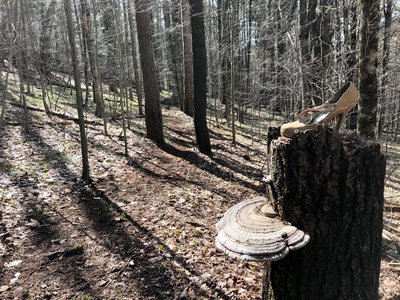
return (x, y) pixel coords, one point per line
(350, 35)
(248, 51)
(45, 38)
(350, 14)
(5, 92)
(83, 47)
(326, 34)
(187, 59)
(384, 99)
(154, 124)
(226, 63)
(200, 76)
(172, 20)
(108, 20)
(96, 48)
(367, 68)
(122, 76)
(12, 40)
(45, 57)
(21, 61)
(220, 58)
(304, 53)
(79, 102)
(234, 37)
(138, 77)
(94, 66)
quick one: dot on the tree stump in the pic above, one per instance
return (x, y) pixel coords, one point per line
(331, 188)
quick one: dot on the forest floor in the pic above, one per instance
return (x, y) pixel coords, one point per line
(145, 228)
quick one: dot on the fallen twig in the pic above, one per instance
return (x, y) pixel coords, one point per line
(65, 116)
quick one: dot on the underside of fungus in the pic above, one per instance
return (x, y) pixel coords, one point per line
(250, 230)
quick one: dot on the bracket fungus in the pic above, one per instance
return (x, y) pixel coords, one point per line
(251, 230)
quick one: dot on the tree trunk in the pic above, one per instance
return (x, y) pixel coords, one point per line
(110, 33)
(321, 35)
(122, 76)
(248, 55)
(187, 59)
(21, 62)
(332, 189)
(172, 20)
(367, 68)
(83, 48)
(138, 77)
(94, 65)
(79, 102)
(25, 52)
(45, 48)
(314, 49)
(199, 76)
(11, 52)
(226, 63)
(350, 36)
(388, 14)
(234, 38)
(304, 53)
(222, 48)
(325, 39)
(154, 124)
(350, 13)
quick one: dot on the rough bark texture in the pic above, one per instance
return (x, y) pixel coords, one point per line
(172, 19)
(388, 14)
(154, 125)
(79, 101)
(45, 39)
(138, 78)
(320, 32)
(187, 60)
(350, 40)
(304, 52)
(226, 63)
(110, 39)
(367, 68)
(200, 77)
(94, 65)
(332, 188)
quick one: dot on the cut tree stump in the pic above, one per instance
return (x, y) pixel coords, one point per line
(331, 187)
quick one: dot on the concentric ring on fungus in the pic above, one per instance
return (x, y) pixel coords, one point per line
(251, 231)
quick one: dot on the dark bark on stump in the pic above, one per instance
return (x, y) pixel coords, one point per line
(332, 188)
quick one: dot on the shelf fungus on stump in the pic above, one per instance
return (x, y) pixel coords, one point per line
(251, 230)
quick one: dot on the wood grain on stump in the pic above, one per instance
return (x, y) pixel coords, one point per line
(331, 188)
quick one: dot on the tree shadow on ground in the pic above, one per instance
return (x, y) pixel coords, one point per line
(43, 236)
(211, 167)
(154, 278)
(181, 142)
(138, 160)
(216, 136)
(219, 136)
(238, 167)
(176, 179)
(196, 160)
(222, 159)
